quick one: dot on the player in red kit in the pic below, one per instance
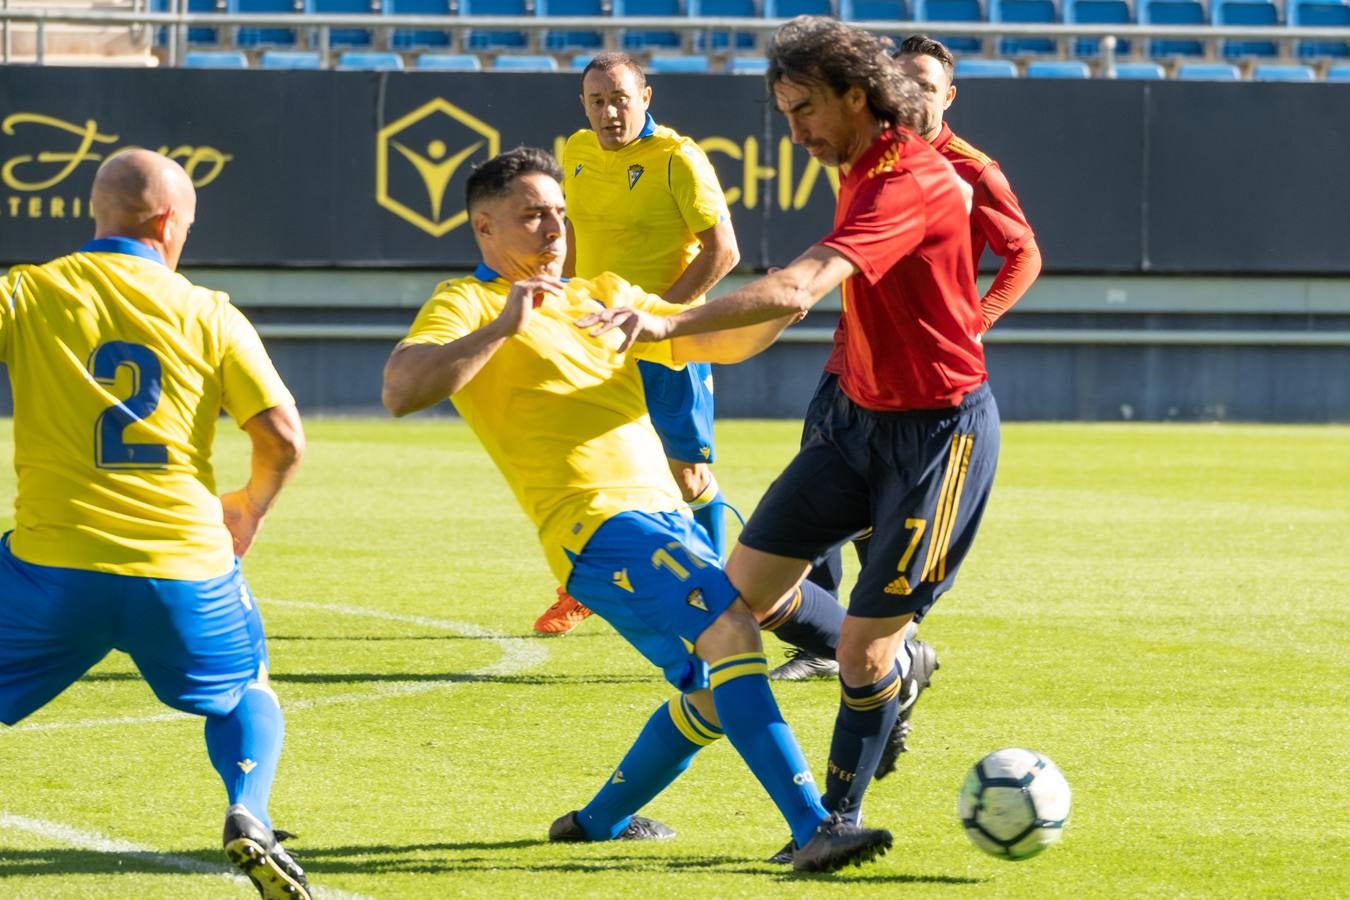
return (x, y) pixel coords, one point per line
(907, 443)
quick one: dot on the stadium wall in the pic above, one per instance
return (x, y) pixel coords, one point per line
(1194, 255)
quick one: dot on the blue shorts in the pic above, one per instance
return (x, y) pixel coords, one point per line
(920, 480)
(655, 578)
(199, 644)
(680, 403)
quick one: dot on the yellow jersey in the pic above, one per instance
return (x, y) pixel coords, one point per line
(562, 414)
(636, 210)
(120, 368)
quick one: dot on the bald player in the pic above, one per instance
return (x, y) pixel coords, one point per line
(120, 368)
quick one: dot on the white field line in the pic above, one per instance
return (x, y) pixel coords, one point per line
(89, 840)
(518, 655)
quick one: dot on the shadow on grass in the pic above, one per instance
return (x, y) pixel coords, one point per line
(447, 677)
(447, 858)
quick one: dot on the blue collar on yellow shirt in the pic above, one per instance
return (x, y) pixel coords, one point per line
(648, 128)
(486, 273)
(128, 246)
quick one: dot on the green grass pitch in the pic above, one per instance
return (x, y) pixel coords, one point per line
(1162, 610)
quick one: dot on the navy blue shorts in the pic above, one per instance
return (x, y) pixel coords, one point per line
(657, 580)
(199, 644)
(680, 403)
(919, 480)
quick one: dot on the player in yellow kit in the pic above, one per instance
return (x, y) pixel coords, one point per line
(120, 368)
(644, 202)
(563, 416)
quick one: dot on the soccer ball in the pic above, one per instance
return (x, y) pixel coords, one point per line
(1014, 803)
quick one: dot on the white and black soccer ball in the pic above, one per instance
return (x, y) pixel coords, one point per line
(1014, 803)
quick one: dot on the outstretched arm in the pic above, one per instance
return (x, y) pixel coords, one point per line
(420, 375)
(278, 444)
(783, 295)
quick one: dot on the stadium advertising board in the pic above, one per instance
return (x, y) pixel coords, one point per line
(368, 169)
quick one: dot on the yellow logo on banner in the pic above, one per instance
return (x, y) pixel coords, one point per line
(433, 141)
(56, 150)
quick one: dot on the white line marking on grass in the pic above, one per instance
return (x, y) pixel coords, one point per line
(88, 840)
(518, 655)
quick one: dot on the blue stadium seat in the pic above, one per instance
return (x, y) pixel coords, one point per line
(695, 62)
(1057, 68)
(248, 36)
(419, 38)
(1173, 12)
(1255, 13)
(369, 60)
(874, 11)
(345, 37)
(449, 62)
(1208, 72)
(572, 40)
(952, 11)
(196, 35)
(525, 62)
(721, 40)
(1279, 72)
(1340, 72)
(580, 61)
(1321, 13)
(787, 9)
(290, 59)
(1140, 71)
(748, 65)
(215, 59)
(477, 39)
(1098, 12)
(1035, 12)
(640, 39)
(985, 68)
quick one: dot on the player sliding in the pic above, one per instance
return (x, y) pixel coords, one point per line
(907, 443)
(563, 416)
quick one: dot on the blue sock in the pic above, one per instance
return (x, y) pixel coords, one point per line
(245, 746)
(866, 717)
(810, 619)
(664, 749)
(756, 729)
(710, 511)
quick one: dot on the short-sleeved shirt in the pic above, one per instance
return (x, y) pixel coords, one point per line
(120, 369)
(996, 218)
(911, 312)
(562, 414)
(635, 211)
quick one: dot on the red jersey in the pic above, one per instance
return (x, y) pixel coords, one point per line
(911, 313)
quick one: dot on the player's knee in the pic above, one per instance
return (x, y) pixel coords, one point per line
(693, 478)
(735, 631)
(702, 701)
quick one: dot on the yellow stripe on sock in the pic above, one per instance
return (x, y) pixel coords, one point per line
(738, 666)
(705, 496)
(698, 722)
(785, 612)
(684, 725)
(875, 700)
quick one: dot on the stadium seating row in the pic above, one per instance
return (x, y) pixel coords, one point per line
(745, 65)
(1193, 13)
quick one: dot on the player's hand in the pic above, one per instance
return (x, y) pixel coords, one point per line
(634, 324)
(242, 519)
(525, 296)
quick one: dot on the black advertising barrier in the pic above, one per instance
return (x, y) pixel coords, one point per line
(367, 169)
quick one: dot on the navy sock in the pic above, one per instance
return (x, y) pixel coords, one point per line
(710, 511)
(245, 746)
(664, 749)
(756, 729)
(866, 717)
(810, 619)
(829, 572)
